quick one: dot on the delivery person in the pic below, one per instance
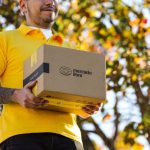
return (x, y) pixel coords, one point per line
(22, 125)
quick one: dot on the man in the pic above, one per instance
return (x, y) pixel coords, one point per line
(22, 125)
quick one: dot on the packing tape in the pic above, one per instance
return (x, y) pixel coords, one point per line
(33, 59)
(35, 90)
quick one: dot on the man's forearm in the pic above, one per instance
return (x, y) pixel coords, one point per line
(5, 95)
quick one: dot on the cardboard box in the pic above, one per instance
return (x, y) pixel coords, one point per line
(69, 79)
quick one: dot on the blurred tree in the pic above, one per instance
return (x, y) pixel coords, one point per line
(121, 30)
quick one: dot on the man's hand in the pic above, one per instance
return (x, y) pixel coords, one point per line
(91, 109)
(26, 98)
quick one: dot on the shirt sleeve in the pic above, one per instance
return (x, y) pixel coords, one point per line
(2, 54)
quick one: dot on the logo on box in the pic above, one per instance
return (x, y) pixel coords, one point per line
(65, 70)
(75, 72)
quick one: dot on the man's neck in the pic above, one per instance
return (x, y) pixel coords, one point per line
(47, 32)
(38, 26)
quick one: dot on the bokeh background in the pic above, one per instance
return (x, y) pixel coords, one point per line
(121, 30)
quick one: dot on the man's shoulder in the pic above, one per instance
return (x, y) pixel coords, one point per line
(4, 34)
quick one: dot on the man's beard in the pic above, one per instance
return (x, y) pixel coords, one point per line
(45, 21)
(54, 12)
(49, 19)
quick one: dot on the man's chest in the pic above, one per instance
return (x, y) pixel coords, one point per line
(17, 53)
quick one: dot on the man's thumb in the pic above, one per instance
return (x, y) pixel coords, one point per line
(31, 84)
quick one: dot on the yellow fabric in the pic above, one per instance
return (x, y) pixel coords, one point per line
(15, 47)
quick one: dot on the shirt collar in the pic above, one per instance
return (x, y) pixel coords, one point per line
(56, 39)
(26, 29)
(47, 32)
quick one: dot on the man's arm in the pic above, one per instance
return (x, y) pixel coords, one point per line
(23, 96)
(6, 95)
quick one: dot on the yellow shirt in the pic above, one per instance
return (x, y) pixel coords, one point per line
(15, 47)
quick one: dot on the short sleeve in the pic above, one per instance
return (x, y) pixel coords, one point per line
(2, 53)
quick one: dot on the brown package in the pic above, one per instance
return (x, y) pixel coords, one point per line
(69, 79)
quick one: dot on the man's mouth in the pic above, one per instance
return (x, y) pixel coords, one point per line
(51, 8)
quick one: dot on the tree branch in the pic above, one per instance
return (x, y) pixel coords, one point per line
(141, 99)
(107, 141)
(117, 118)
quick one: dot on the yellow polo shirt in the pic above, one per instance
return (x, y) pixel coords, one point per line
(15, 47)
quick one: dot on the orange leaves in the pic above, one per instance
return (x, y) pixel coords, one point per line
(92, 12)
(146, 76)
(90, 36)
(148, 30)
(96, 145)
(106, 117)
(132, 135)
(144, 21)
(138, 21)
(127, 33)
(140, 126)
(73, 38)
(137, 146)
(146, 4)
(74, 4)
(134, 77)
(110, 34)
(140, 61)
(134, 22)
(108, 44)
(126, 11)
(57, 39)
(109, 71)
(121, 145)
(84, 46)
(103, 32)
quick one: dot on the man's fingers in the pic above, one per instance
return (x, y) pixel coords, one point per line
(33, 105)
(31, 84)
(36, 100)
(91, 109)
(30, 98)
(29, 105)
(40, 101)
(100, 105)
(87, 110)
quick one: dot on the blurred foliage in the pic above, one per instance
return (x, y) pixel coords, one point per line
(120, 31)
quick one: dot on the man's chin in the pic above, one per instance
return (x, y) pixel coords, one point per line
(47, 22)
(49, 18)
